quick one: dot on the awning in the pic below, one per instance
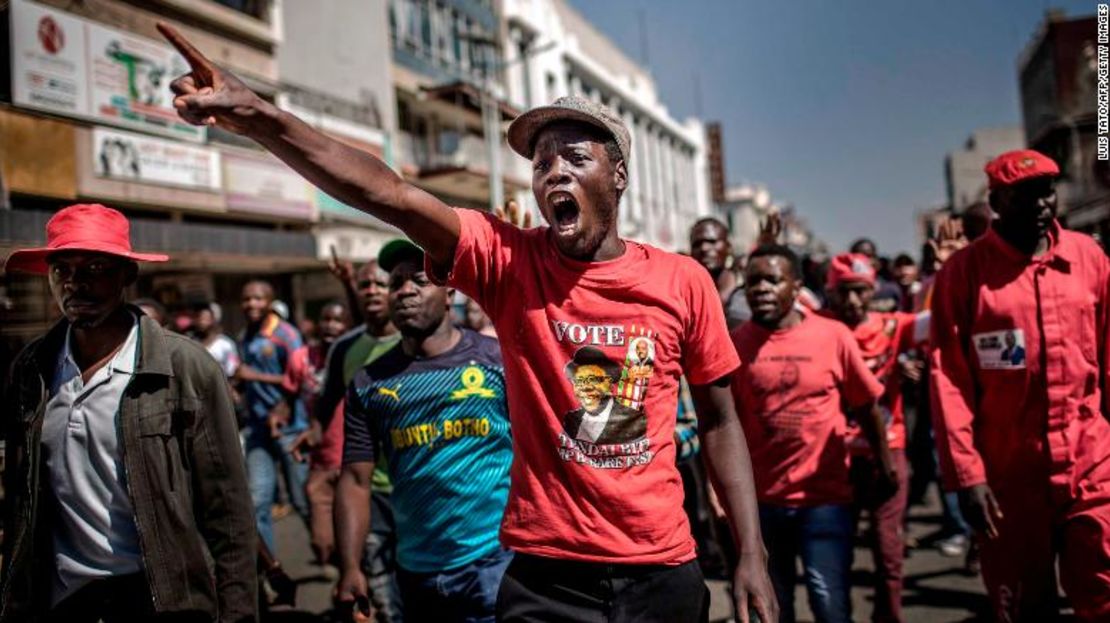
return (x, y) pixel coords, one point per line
(465, 94)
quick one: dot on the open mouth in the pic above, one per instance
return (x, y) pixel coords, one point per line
(564, 213)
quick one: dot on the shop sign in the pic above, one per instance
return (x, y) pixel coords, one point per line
(262, 184)
(150, 160)
(74, 67)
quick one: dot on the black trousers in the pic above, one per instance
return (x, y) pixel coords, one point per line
(538, 589)
(118, 599)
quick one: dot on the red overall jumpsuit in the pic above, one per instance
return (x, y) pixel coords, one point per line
(1018, 370)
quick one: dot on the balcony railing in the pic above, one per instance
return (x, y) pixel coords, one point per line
(452, 152)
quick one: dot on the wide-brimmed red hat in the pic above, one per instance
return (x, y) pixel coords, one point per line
(81, 227)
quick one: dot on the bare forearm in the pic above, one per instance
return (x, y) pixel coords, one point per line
(352, 517)
(730, 467)
(729, 464)
(269, 379)
(348, 174)
(354, 303)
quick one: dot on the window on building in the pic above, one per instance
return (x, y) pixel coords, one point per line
(405, 122)
(393, 24)
(525, 71)
(258, 9)
(466, 49)
(448, 141)
(407, 15)
(458, 26)
(424, 11)
(450, 44)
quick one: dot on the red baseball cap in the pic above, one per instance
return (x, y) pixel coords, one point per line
(81, 227)
(850, 268)
(1020, 165)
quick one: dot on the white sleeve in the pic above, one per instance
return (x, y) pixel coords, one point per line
(921, 324)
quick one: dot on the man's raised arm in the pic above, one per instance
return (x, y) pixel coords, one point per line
(208, 95)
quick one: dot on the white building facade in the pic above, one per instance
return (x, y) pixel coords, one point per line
(550, 51)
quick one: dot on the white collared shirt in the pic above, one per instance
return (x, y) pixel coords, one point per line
(95, 535)
(592, 425)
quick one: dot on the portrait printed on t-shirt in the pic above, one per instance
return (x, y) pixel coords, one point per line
(601, 418)
(608, 426)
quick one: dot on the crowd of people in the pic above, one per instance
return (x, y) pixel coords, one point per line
(598, 422)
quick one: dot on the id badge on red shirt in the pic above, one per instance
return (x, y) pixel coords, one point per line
(1000, 350)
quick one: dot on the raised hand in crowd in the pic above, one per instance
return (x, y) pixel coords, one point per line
(770, 230)
(344, 272)
(948, 239)
(210, 96)
(513, 214)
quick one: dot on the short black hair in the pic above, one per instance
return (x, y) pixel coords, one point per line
(903, 259)
(269, 287)
(862, 242)
(709, 220)
(778, 250)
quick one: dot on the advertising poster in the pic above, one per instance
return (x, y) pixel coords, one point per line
(149, 160)
(261, 184)
(48, 56)
(71, 66)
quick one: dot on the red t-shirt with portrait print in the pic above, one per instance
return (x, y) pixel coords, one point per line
(593, 355)
(791, 392)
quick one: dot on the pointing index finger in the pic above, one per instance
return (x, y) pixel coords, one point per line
(202, 67)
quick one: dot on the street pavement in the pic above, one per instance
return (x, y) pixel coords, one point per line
(936, 590)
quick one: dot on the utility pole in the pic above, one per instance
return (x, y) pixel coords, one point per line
(491, 109)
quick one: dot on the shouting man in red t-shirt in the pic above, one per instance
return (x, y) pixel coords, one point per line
(885, 339)
(594, 329)
(801, 378)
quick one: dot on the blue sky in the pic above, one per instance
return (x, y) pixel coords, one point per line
(845, 108)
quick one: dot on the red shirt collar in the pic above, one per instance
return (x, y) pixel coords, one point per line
(1056, 249)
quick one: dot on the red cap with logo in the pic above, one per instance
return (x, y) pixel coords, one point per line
(81, 227)
(850, 268)
(1020, 165)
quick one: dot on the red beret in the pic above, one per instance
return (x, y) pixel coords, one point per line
(850, 268)
(1017, 166)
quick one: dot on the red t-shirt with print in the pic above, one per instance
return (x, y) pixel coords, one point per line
(593, 354)
(791, 393)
